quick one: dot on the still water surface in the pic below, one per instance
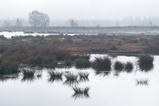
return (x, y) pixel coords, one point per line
(106, 89)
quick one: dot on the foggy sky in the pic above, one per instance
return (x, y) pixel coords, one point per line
(80, 9)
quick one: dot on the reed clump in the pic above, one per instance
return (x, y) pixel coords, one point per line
(129, 67)
(145, 62)
(28, 75)
(118, 66)
(102, 64)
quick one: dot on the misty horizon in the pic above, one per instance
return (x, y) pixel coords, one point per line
(129, 21)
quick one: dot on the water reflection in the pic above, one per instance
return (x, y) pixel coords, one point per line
(83, 77)
(80, 93)
(71, 79)
(8, 77)
(103, 73)
(116, 74)
(55, 76)
(39, 76)
(142, 82)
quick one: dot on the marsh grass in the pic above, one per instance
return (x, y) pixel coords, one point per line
(142, 82)
(28, 75)
(82, 63)
(145, 62)
(55, 76)
(79, 92)
(8, 67)
(102, 64)
(43, 56)
(118, 66)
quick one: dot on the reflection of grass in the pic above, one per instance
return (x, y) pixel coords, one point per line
(55, 76)
(83, 76)
(28, 75)
(142, 82)
(118, 66)
(71, 79)
(102, 64)
(79, 92)
(145, 62)
(128, 66)
(104, 73)
(7, 77)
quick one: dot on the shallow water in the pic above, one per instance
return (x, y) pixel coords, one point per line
(109, 89)
(10, 34)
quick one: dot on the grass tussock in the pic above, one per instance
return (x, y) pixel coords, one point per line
(102, 64)
(145, 62)
(28, 75)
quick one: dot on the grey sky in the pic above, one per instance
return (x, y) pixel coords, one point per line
(80, 9)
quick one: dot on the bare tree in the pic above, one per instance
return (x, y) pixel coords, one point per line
(37, 19)
(18, 23)
(73, 23)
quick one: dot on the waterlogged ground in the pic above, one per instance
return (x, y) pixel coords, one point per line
(105, 89)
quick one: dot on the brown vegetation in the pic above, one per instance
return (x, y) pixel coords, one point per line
(91, 43)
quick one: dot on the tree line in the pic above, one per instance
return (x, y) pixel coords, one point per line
(39, 19)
